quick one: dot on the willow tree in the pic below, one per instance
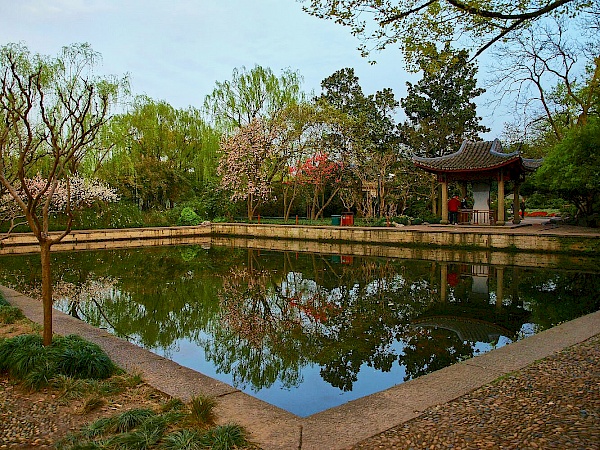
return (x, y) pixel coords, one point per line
(252, 94)
(51, 110)
(160, 155)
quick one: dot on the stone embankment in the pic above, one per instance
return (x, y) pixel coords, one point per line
(408, 241)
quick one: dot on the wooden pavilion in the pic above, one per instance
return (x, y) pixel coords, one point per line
(480, 163)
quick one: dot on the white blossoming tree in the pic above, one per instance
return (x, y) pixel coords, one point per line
(51, 110)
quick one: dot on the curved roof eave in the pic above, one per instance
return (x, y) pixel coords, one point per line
(474, 169)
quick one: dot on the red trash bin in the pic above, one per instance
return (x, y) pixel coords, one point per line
(347, 219)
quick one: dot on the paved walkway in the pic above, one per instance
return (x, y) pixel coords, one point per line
(552, 404)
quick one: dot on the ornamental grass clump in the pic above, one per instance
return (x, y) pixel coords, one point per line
(79, 358)
(202, 410)
(171, 428)
(225, 437)
(183, 440)
(8, 313)
(25, 358)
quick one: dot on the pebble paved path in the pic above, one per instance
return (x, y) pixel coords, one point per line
(552, 404)
(26, 421)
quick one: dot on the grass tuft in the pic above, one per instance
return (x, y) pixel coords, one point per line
(183, 440)
(97, 428)
(38, 377)
(10, 314)
(202, 410)
(92, 404)
(131, 419)
(82, 359)
(135, 440)
(73, 388)
(225, 437)
(173, 404)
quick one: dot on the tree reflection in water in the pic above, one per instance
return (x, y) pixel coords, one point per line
(263, 318)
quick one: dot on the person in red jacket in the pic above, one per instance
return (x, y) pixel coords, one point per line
(453, 206)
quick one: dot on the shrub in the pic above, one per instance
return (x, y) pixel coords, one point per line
(404, 220)
(188, 217)
(120, 214)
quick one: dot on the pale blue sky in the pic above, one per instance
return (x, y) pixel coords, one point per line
(176, 50)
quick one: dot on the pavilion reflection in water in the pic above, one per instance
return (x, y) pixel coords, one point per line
(480, 315)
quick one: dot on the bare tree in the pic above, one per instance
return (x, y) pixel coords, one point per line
(51, 109)
(544, 72)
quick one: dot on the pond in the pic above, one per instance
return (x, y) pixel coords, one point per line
(306, 331)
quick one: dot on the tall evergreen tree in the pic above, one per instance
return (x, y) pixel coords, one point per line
(440, 110)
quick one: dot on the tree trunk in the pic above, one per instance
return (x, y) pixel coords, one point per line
(320, 212)
(250, 207)
(46, 291)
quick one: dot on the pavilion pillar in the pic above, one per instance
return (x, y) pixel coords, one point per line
(499, 287)
(443, 282)
(444, 183)
(500, 220)
(516, 204)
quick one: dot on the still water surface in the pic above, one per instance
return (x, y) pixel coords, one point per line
(306, 332)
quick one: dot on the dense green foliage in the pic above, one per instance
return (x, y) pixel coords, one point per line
(572, 170)
(159, 155)
(440, 108)
(312, 157)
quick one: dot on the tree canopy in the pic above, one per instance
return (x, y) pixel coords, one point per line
(250, 94)
(572, 170)
(440, 107)
(417, 25)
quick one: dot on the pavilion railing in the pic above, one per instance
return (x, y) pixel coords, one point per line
(477, 216)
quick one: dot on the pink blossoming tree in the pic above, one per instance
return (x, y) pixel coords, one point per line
(250, 160)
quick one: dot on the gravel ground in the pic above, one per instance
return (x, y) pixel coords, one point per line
(29, 419)
(552, 404)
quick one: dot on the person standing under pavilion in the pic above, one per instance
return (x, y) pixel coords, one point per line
(453, 206)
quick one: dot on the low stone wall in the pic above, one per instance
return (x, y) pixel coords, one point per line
(434, 254)
(484, 239)
(105, 239)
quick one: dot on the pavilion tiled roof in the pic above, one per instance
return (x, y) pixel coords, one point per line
(476, 156)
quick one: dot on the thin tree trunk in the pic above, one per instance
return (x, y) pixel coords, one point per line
(46, 291)
(326, 204)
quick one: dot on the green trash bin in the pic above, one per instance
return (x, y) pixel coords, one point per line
(336, 220)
